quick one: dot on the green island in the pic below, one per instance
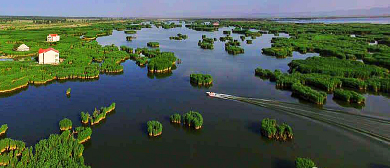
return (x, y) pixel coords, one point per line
(166, 26)
(329, 74)
(206, 43)
(280, 52)
(175, 118)
(3, 129)
(153, 44)
(193, 119)
(199, 27)
(349, 96)
(130, 38)
(68, 91)
(65, 124)
(242, 38)
(80, 57)
(201, 79)
(272, 130)
(46, 153)
(309, 94)
(127, 49)
(162, 63)
(232, 47)
(329, 40)
(97, 115)
(130, 32)
(304, 163)
(227, 32)
(179, 37)
(154, 128)
(83, 134)
(226, 38)
(249, 41)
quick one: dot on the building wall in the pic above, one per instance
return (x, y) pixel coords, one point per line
(50, 57)
(53, 39)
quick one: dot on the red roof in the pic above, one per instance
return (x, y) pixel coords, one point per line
(53, 35)
(46, 50)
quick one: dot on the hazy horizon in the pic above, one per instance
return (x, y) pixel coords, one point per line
(177, 8)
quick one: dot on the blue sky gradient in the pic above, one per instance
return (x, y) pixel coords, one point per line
(176, 8)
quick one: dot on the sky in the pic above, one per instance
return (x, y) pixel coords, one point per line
(176, 8)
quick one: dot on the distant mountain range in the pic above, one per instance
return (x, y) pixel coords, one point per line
(338, 13)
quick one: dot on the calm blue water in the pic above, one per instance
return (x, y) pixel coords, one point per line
(230, 136)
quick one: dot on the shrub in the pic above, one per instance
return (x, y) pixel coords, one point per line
(349, 96)
(272, 130)
(234, 50)
(304, 163)
(65, 124)
(201, 79)
(281, 52)
(130, 32)
(153, 44)
(308, 93)
(227, 32)
(154, 128)
(98, 115)
(84, 134)
(3, 129)
(175, 118)
(193, 119)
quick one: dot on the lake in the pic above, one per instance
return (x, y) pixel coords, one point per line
(230, 136)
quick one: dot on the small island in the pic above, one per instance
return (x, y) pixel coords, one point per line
(154, 128)
(83, 134)
(201, 79)
(226, 38)
(175, 118)
(271, 130)
(227, 32)
(193, 119)
(308, 94)
(130, 32)
(280, 52)
(242, 38)
(179, 37)
(249, 42)
(97, 116)
(349, 96)
(65, 124)
(206, 43)
(127, 49)
(68, 91)
(153, 44)
(232, 47)
(234, 50)
(130, 38)
(3, 129)
(304, 163)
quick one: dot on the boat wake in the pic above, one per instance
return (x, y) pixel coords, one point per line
(377, 128)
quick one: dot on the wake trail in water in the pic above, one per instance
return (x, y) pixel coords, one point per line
(377, 128)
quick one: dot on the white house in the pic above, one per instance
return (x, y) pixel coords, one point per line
(23, 47)
(215, 24)
(49, 56)
(53, 38)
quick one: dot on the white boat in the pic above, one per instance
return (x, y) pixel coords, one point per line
(211, 94)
